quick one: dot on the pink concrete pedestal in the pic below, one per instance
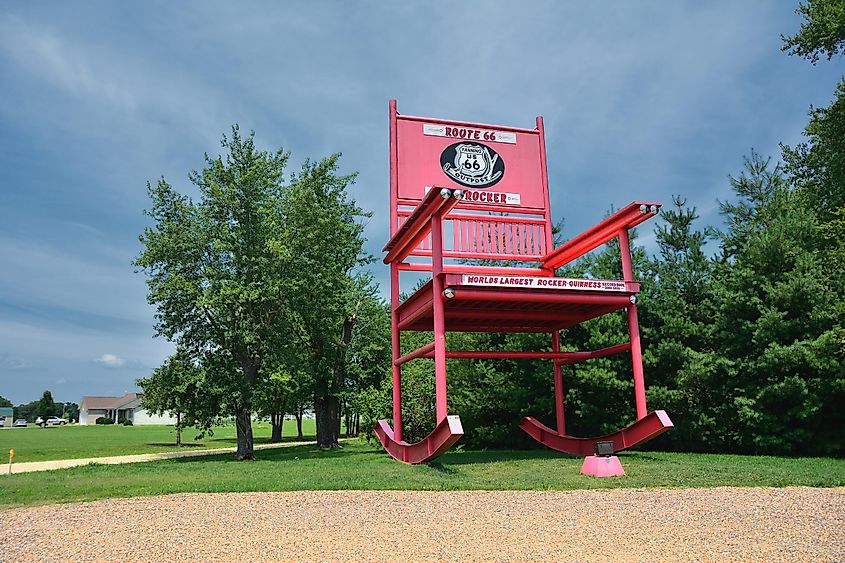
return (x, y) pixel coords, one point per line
(602, 466)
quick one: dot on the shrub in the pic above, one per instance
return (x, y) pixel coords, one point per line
(127, 422)
(104, 420)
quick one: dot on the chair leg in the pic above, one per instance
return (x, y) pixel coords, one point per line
(397, 402)
(637, 362)
(558, 371)
(439, 317)
(396, 352)
(439, 349)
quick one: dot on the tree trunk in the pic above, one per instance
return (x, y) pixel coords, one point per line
(243, 415)
(276, 420)
(339, 417)
(327, 410)
(347, 419)
(178, 429)
(298, 415)
(327, 407)
(243, 423)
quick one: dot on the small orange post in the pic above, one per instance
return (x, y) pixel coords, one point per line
(11, 456)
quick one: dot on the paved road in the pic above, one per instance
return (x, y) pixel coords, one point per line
(112, 460)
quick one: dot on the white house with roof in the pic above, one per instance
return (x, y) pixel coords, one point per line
(116, 408)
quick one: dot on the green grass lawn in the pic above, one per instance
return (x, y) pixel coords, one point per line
(359, 465)
(72, 442)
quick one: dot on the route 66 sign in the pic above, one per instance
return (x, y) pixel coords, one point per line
(473, 165)
(495, 165)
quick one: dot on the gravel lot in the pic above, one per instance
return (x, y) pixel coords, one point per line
(656, 524)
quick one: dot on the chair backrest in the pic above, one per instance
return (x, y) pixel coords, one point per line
(502, 170)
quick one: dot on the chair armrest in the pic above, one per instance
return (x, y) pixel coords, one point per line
(629, 216)
(418, 226)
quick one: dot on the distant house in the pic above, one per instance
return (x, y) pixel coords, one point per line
(118, 408)
(7, 414)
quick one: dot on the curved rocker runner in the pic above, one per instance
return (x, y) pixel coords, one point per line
(465, 191)
(646, 428)
(444, 436)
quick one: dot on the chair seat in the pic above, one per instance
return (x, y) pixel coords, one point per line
(503, 303)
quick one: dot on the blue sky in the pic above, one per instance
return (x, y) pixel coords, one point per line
(641, 100)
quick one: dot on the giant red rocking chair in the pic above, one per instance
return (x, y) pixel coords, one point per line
(463, 191)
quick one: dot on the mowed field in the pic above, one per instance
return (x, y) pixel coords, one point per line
(359, 465)
(74, 442)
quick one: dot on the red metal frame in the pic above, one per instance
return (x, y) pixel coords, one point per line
(645, 428)
(461, 297)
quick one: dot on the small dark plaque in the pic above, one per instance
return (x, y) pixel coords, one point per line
(604, 448)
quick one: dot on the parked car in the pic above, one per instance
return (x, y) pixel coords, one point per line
(20, 423)
(55, 421)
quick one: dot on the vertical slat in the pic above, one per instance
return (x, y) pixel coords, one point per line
(528, 239)
(458, 226)
(488, 236)
(509, 227)
(485, 230)
(456, 234)
(523, 247)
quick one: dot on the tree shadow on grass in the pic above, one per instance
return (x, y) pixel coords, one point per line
(462, 457)
(174, 446)
(291, 453)
(644, 456)
(262, 439)
(445, 464)
(466, 457)
(440, 468)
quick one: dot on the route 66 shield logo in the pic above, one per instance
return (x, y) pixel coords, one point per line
(474, 165)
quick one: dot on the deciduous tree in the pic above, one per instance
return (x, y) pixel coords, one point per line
(274, 399)
(822, 33)
(46, 406)
(216, 266)
(325, 288)
(176, 388)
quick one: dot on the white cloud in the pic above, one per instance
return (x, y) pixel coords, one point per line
(110, 361)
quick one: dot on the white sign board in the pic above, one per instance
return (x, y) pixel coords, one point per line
(544, 283)
(468, 133)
